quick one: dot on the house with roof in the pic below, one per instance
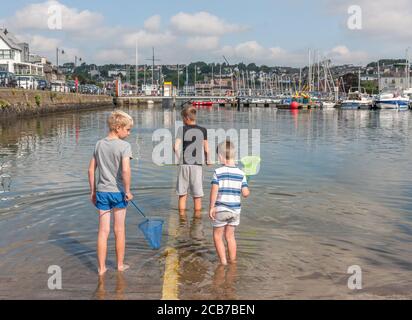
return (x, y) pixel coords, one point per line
(15, 56)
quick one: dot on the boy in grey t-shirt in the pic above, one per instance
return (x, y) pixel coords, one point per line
(110, 188)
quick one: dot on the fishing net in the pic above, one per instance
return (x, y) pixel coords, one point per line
(250, 165)
(152, 230)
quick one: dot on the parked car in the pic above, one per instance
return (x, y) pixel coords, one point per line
(26, 82)
(7, 79)
(72, 85)
(42, 85)
(59, 86)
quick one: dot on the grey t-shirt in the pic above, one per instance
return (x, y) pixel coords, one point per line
(109, 155)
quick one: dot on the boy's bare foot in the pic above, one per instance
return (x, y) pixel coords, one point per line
(123, 268)
(102, 271)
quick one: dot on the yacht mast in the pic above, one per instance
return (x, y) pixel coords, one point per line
(379, 79)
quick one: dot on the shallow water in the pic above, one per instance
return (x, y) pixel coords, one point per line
(333, 191)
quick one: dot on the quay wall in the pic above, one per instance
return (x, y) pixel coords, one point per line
(22, 103)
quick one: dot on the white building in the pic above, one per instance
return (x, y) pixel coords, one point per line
(15, 56)
(393, 83)
(116, 73)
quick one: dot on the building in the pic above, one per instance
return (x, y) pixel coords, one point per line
(393, 83)
(94, 73)
(15, 56)
(369, 78)
(116, 73)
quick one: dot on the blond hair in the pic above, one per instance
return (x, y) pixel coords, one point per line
(226, 150)
(119, 118)
(189, 113)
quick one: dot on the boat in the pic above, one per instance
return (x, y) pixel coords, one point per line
(392, 101)
(258, 101)
(202, 103)
(328, 104)
(408, 93)
(357, 99)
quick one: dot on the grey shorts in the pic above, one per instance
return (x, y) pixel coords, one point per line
(190, 177)
(226, 218)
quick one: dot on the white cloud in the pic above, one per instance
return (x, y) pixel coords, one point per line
(202, 43)
(36, 16)
(381, 19)
(153, 23)
(341, 54)
(112, 56)
(148, 39)
(252, 51)
(46, 47)
(203, 23)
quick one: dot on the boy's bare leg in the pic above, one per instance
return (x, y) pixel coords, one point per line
(219, 244)
(182, 205)
(120, 237)
(102, 236)
(198, 207)
(231, 242)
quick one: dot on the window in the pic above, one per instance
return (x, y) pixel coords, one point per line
(6, 54)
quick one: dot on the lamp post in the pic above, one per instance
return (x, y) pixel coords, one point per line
(194, 84)
(57, 56)
(75, 61)
(408, 69)
(178, 79)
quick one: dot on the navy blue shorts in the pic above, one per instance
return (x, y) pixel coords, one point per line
(110, 200)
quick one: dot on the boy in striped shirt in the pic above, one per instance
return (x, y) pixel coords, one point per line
(228, 185)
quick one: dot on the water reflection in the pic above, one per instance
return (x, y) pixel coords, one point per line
(333, 190)
(224, 281)
(118, 293)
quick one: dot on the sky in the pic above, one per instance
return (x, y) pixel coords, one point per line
(271, 32)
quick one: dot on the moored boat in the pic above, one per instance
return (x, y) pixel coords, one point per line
(392, 101)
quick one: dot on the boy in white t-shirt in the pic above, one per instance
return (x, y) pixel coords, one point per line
(228, 185)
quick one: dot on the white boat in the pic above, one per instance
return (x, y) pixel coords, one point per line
(392, 101)
(357, 99)
(328, 104)
(408, 93)
(258, 100)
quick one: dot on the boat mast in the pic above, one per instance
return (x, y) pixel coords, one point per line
(220, 80)
(407, 68)
(379, 79)
(213, 79)
(137, 67)
(310, 75)
(318, 72)
(178, 79)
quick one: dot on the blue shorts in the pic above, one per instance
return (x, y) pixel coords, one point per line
(110, 200)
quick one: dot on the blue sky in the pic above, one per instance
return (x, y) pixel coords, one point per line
(262, 31)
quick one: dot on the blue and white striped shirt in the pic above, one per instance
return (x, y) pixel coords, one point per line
(230, 180)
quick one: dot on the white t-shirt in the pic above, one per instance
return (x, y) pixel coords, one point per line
(230, 180)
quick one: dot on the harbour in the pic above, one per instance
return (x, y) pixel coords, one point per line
(299, 115)
(324, 200)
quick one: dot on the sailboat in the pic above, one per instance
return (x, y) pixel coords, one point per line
(357, 99)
